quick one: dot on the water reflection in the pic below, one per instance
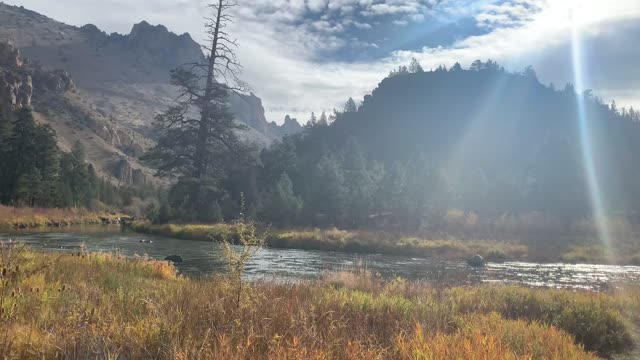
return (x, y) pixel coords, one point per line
(203, 258)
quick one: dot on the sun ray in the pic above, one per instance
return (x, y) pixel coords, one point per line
(586, 136)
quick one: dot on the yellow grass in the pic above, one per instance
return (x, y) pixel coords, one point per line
(11, 217)
(106, 306)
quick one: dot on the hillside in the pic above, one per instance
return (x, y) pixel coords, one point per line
(484, 141)
(121, 83)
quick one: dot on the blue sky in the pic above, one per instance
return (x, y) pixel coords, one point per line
(311, 55)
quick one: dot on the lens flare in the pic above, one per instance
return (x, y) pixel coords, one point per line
(593, 184)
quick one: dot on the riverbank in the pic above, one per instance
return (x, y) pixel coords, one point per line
(106, 306)
(543, 250)
(24, 218)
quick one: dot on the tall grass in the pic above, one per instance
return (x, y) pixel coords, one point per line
(106, 306)
(11, 217)
(350, 241)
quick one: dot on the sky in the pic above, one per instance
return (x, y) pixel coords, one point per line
(301, 56)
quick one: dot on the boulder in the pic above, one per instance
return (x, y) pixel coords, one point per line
(174, 258)
(477, 261)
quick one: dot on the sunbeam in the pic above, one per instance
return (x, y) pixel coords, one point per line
(593, 184)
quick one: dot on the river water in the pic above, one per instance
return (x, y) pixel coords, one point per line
(204, 258)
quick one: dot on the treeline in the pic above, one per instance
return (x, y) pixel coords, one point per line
(35, 173)
(482, 141)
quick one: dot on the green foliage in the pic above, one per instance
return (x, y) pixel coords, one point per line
(279, 205)
(35, 173)
(152, 213)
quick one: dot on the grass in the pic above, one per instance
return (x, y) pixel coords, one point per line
(577, 249)
(11, 218)
(107, 306)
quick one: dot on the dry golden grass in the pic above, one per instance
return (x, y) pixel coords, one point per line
(105, 306)
(11, 217)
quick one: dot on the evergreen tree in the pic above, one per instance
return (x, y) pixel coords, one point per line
(5, 136)
(328, 192)
(415, 67)
(79, 177)
(313, 121)
(358, 184)
(323, 121)
(280, 206)
(350, 106)
(199, 150)
(28, 188)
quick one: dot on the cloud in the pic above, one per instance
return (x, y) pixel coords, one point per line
(522, 32)
(293, 51)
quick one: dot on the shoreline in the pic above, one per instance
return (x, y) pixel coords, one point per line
(378, 242)
(31, 218)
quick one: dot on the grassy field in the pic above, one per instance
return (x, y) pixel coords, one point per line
(11, 218)
(106, 306)
(545, 249)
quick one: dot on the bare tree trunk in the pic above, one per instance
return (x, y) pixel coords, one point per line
(205, 114)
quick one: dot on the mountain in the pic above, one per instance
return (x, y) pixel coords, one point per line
(121, 83)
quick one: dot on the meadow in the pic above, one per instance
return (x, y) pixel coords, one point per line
(85, 305)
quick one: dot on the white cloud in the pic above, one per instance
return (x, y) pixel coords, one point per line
(281, 41)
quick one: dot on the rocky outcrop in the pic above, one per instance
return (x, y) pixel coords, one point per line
(157, 45)
(249, 110)
(16, 83)
(126, 175)
(290, 126)
(57, 80)
(19, 79)
(477, 261)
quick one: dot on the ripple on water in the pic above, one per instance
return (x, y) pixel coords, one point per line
(203, 258)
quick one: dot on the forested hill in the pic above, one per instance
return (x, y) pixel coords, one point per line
(482, 140)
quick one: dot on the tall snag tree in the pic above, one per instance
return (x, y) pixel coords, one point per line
(198, 135)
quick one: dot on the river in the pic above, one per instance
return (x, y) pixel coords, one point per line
(204, 258)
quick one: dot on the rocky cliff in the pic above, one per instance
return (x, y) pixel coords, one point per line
(53, 96)
(16, 83)
(120, 82)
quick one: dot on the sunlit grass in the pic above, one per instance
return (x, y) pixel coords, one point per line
(101, 305)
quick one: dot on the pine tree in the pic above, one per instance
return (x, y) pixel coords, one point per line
(358, 184)
(5, 136)
(80, 185)
(313, 121)
(280, 205)
(328, 192)
(350, 106)
(415, 67)
(28, 188)
(199, 150)
(323, 121)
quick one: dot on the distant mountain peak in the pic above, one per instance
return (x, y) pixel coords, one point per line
(144, 27)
